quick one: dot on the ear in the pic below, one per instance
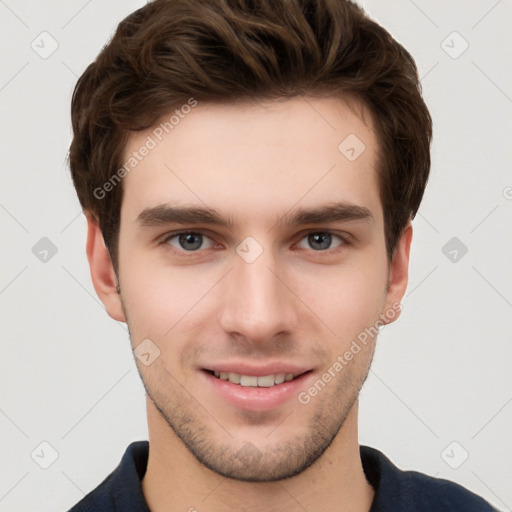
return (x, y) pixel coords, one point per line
(102, 271)
(398, 277)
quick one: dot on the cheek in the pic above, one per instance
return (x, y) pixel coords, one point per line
(352, 297)
(160, 300)
(360, 309)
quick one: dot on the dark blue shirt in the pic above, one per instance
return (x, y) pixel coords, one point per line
(395, 490)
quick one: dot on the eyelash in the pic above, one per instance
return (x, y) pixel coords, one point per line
(345, 241)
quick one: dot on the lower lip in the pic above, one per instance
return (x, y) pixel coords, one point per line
(257, 398)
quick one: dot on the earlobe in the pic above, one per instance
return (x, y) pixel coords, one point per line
(398, 276)
(102, 271)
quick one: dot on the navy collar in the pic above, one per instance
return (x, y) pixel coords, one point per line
(395, 490)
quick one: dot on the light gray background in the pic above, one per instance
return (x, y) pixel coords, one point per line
(441, 374)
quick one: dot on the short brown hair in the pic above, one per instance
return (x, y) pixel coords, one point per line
(239, 50)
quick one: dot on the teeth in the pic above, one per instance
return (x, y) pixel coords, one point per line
(265, 381)
(246, 380)
(234, 377)
(280, 378)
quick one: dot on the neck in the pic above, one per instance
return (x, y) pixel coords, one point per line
(176, 481)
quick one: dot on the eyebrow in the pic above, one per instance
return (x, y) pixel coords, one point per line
(334, 212)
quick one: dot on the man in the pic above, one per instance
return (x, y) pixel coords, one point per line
(249, 172)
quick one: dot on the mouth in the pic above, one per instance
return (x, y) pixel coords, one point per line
(255, 388)
(263, 381)
(254, 385)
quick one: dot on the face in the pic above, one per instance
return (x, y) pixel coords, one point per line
(252, 249)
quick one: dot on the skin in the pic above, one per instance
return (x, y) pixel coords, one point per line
(296, 302)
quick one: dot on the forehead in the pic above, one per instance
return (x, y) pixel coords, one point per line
(255, 160)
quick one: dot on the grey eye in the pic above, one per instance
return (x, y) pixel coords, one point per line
(189, 241)
(320, 241)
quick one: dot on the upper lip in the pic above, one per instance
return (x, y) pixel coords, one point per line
(258, 370)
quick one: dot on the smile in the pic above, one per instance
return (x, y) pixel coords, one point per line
(265, 381)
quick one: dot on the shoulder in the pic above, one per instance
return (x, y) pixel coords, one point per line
(397, 490)
(429, 493)
(102, 497)
(121, 490)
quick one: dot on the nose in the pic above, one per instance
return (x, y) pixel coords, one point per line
(257, 301)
